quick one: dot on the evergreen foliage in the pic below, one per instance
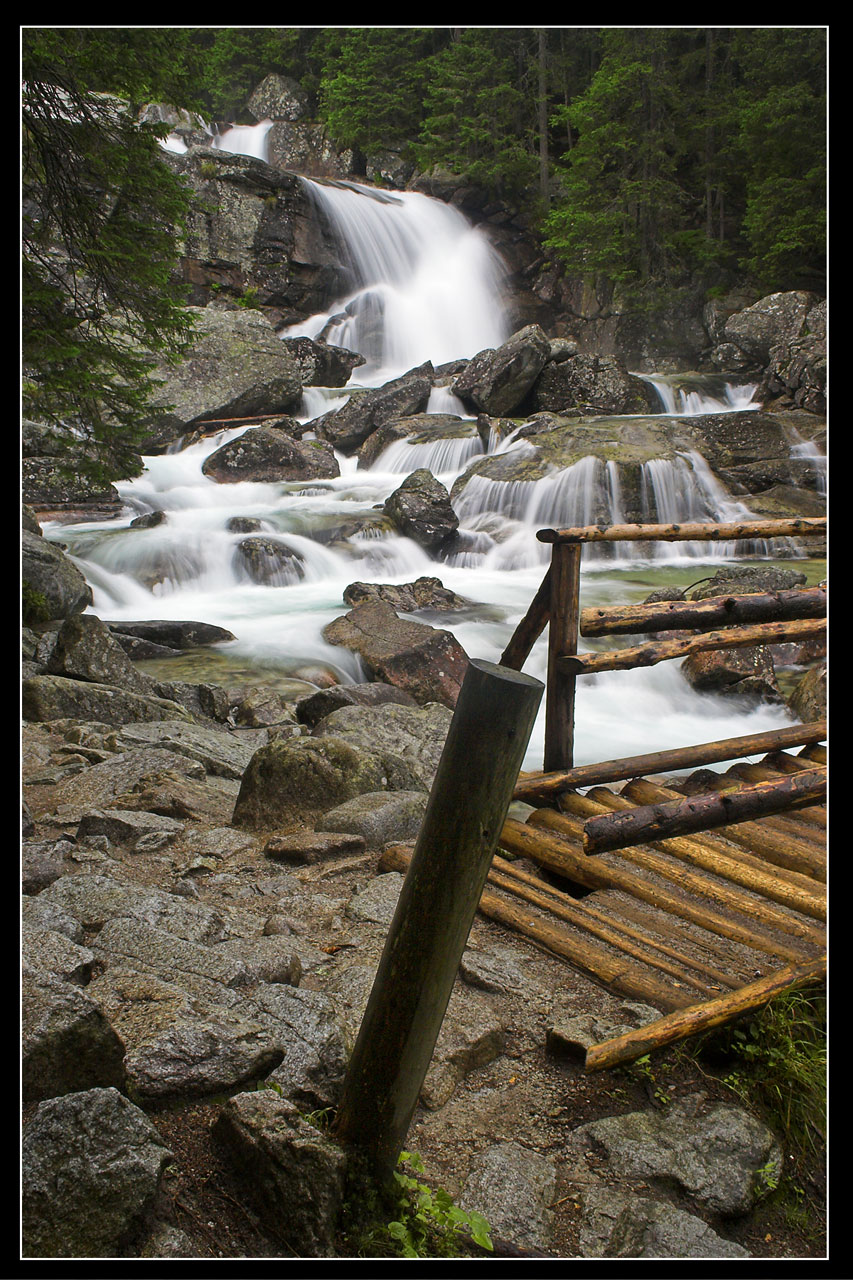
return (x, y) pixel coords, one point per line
(100, 300)
(653, 158)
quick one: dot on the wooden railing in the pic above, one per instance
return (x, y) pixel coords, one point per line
(728, 621)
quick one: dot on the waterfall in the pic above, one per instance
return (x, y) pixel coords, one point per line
(418, 282)
(687, 394)
(244, 139)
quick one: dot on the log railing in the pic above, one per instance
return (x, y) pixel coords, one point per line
(728, 621)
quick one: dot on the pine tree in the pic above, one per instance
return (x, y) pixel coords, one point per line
(101, 214)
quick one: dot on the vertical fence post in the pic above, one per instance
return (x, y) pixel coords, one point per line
(562, 640)
(467, 808)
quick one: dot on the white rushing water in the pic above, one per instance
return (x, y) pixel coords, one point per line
(421, 285)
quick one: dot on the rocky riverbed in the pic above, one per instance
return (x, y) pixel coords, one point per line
(203, 912)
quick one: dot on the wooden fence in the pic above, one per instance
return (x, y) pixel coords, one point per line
(728, 621)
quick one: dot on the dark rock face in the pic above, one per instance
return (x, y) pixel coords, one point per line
(321, 365)
(269, 454)
(421, 510)
(237, 367)
(498, 381)
(591, 383)
(428, 663)
(50, 572)
(347, 428)
(268, 562)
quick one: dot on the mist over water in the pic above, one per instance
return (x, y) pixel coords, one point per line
(418, 283)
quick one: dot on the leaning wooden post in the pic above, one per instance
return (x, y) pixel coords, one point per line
(470, 796)
(562, 642)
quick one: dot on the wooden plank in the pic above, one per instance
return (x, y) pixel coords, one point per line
(789, 527)
(726, 892)
(716, 611)
(655, 651)
(544, 787)
(799, 866)
(781, 848)
(702, 1017)
(662, 818)
(557, 854)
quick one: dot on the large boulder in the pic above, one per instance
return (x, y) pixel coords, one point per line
(92, 1166)
(427, 662)
(322, 365)
(591, 384)
(49, 573)
(270, 454)
(278, 97)
(237, 367)
(497, 381)
(421, 510)
(290, 779)
(347, 428)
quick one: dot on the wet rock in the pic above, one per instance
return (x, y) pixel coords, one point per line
(237, 367)
(513, 1188)
(497, 381)
(311, 709)
(408, 597)
(421, 510)
(47, 697)
(379, 817)
(307, 847)
(290, 779)
(295, 1174)
(617, 1224)
(428, 663)
(48, 571)
(719, 1155)
(408, 740)
(220, 753)
(347, 428)
(268, 454)
(92, 1166)
(320, 364)
(172, 633)
(66, 1041)
(591, 384)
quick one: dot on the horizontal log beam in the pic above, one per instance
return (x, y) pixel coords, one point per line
(702, 1017)
(790, 527)
(543, 788)
(677, 615)
(701, 813)
(648, 655)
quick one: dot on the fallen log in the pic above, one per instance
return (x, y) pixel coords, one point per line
(788, 527)
(544, 787)
(701, 1017)
(655, 651)
(658, 821)
(790, 889)
(686, 615)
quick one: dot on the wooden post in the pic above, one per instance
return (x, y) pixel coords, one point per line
(485, 747)
(562, 641)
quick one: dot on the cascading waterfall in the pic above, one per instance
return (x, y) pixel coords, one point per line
(419, 283)
(685, 395)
